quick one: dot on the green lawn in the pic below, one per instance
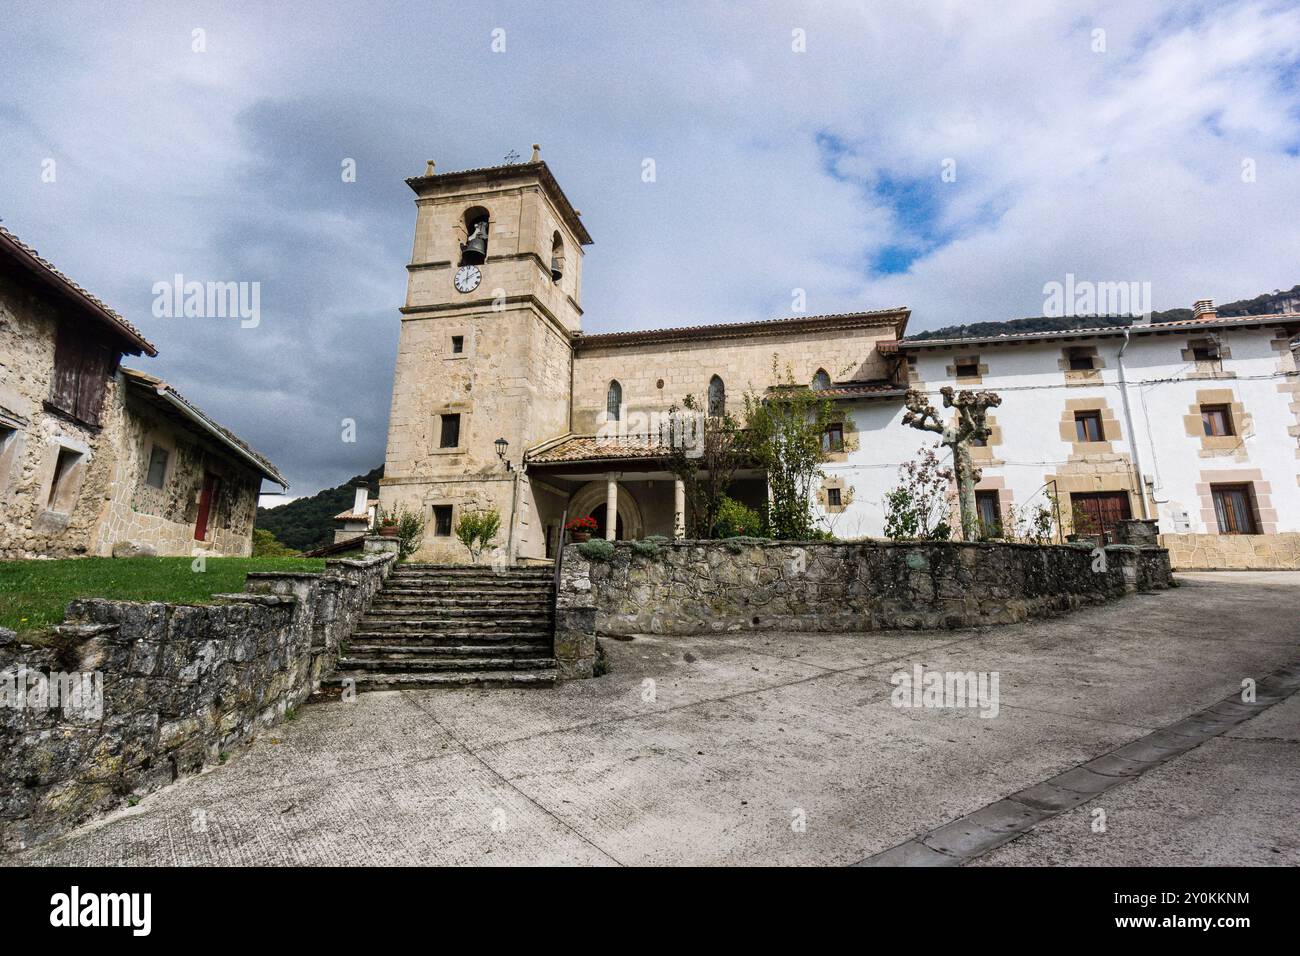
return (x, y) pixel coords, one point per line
(33, 594)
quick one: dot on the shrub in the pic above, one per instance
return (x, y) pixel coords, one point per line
(265, 545)
(410, 529)
(738, 544)
(735, 520)
(649, 547)
(476, 530)
(597, 549)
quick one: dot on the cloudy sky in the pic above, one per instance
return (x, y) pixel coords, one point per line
(1127, 141)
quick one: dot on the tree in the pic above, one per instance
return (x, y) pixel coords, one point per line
(972, 407)
(703, 452)
(476, 530)
(784, 435)
(410, 529)
(266, 546)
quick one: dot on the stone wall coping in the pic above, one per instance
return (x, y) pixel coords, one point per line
(870, 543)
(267, 600)
(367, 562)
(291, 575)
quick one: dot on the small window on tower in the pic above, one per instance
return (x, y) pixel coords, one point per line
(442, 521)
(457, 344)
(450, 436)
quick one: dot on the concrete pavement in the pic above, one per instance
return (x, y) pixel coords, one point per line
(768, 748)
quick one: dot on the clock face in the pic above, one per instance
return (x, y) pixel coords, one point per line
(468, 278)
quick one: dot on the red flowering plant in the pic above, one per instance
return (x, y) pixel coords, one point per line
(581, 524)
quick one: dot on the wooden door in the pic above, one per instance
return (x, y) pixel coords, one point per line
(1099, 512)
(206, 498)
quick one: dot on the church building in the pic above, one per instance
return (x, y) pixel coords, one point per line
(501, 402)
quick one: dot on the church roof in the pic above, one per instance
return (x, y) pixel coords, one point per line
(897, 318)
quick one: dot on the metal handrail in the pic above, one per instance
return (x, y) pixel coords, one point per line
(559, 556)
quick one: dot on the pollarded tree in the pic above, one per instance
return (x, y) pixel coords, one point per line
(972, 409)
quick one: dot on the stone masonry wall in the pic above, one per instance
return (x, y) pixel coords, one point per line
(182, 686)
(699, 587)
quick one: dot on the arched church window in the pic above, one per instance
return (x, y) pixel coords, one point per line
(474, 229)
(821, 380)
(717, 397)
(614, 400)
(557, 257)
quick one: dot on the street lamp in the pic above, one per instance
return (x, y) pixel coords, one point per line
(502, 445)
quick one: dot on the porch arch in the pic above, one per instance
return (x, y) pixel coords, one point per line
(592, 495)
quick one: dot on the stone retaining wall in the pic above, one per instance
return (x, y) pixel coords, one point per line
(700, 587)
(182, 686)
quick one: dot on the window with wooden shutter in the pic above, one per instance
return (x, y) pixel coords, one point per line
(82, 368)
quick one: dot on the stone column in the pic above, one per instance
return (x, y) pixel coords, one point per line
(611, 509)
(679, 509)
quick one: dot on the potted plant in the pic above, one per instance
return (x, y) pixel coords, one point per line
(581, 528)
(387, 522)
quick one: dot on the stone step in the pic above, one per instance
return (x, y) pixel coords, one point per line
(366, 680)
(469, 569)
(414, 637)
(462, 591)
(477, 576)
(434, 665)
(434, 601)
(456, 613)
(503, 648)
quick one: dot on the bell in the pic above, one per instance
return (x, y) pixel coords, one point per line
(557, 268)
(473, 252)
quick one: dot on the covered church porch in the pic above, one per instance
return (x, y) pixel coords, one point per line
(629, 479)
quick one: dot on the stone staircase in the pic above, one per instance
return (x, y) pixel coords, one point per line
(454, 626)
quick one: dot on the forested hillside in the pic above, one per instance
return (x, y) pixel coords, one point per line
(308, 522)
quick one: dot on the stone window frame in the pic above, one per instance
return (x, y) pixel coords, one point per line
(849, 438)
(10, 446)
(1261, 493)
(614, 404)
(1219, 446)
(1110, 427)
(158, 440)
(433, 518)
(984, 453)
(823, 497)
(981, 369)
(466, 336)
(1207, 368)
(1289, 361)
(1006, 499)
(1073, 376)
(69, 491)
(461, 229)
(435, 439)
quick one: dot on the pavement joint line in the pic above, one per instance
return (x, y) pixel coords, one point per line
(971, 836)
(511, 784)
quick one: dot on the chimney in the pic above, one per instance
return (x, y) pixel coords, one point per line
(1204, 310)
(360, 502)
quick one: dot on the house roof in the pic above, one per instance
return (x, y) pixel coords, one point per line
(160, 393)
(764, 327)
(1107, 331)
(538, 170)
(44, 273)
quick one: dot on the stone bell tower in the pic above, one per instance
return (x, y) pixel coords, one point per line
(492, 302)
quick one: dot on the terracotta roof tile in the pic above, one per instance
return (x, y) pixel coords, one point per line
(1100, 331)
(29, 257)
(795, 323)
(594, 448)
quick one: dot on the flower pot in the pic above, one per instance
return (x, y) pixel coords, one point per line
(388, 531)
(580, 536)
